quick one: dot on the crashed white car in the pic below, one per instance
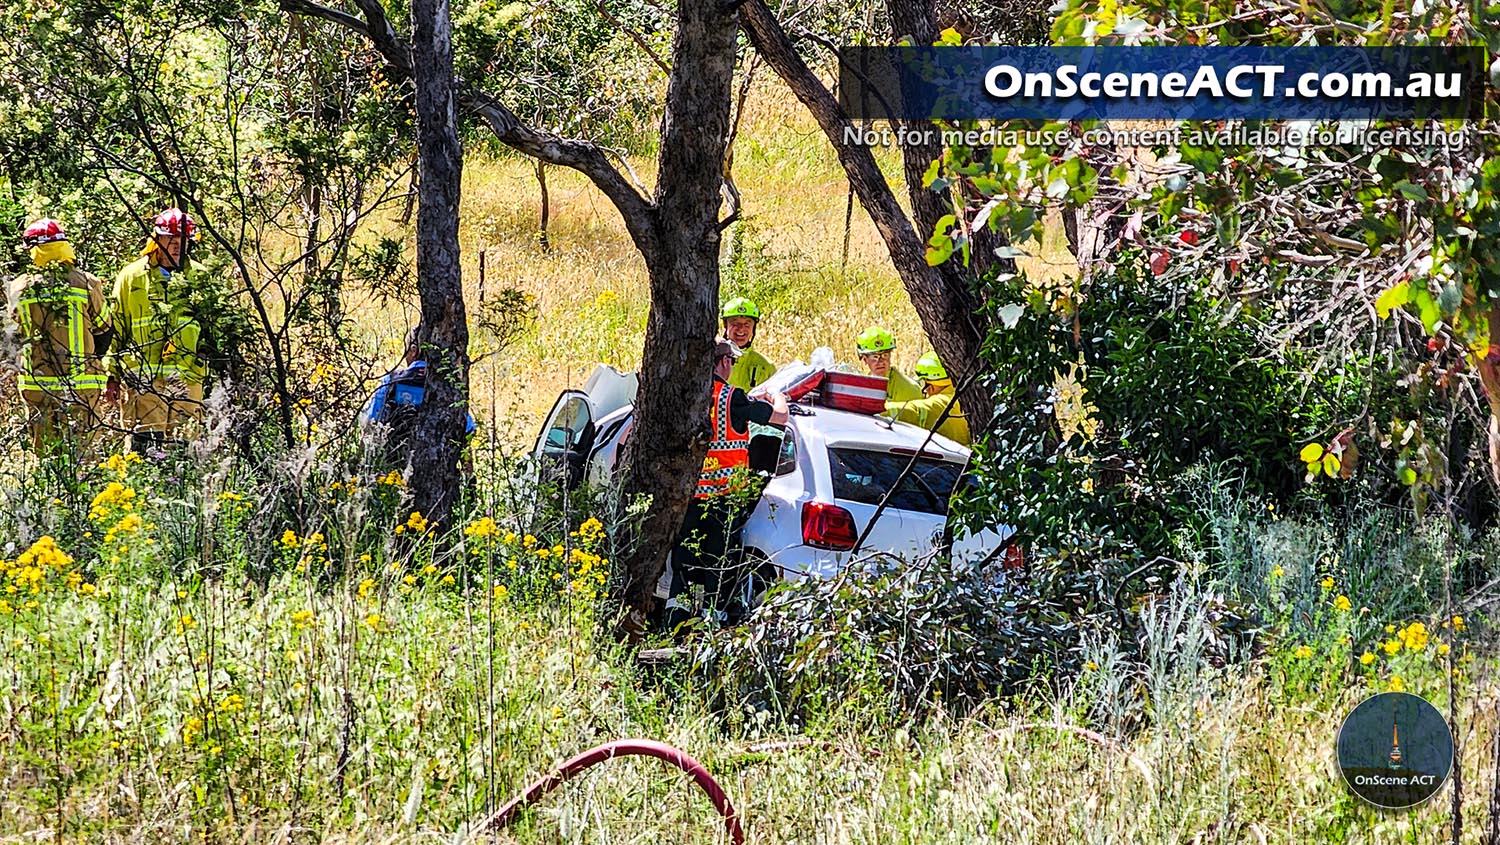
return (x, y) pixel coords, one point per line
(833, 469)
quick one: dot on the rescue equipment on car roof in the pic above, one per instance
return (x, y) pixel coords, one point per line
(860, 394)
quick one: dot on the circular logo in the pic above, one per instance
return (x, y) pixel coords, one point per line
(1395, 750)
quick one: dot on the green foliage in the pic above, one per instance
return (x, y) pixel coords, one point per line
(565, 66)
(1095, 431)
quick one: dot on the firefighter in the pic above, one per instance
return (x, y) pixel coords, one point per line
(707, 548)
(938, 394)
(61, 314)
(875, 346)
(741, 319)
(155, 368)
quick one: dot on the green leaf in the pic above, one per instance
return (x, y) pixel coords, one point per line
(1331, 465)
(1427, 308)
(1204, 160)
(932, 172)
(1407, 476)
(1394, 297)
(1411, 190)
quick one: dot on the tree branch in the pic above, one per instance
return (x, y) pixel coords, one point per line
(584, 156)
(634, 36)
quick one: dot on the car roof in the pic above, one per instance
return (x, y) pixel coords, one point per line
(848, 429)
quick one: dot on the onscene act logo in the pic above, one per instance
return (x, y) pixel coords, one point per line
(1395, 750)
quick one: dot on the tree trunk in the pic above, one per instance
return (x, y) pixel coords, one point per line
(670, 436)
(438, 443)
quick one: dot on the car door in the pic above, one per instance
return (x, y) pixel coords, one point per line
(565, 440)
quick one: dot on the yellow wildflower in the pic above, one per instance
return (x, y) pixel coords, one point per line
(1443, 649)
(191, 730)
(591, 529)
(365, 587)
(500, 591)
(1277, 571)
(1304, 652)
(1342, 604)
(1366, 659)
(1392, 646)
(1397, 685)
(1327, 582)
(485, 527)
(1414, 636)
(374, 621)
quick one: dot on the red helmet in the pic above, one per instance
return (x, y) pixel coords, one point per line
(174, 221)
(43, 231)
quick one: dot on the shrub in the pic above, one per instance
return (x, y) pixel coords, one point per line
(895, 637)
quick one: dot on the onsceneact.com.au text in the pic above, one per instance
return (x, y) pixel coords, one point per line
(1005, 81)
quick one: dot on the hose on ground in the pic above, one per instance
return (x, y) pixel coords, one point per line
(608, 751)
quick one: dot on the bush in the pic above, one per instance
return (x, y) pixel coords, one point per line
(897, 638)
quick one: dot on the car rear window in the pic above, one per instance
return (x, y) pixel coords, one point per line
(862, 475)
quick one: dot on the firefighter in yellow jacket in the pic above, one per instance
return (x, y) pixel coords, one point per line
(60, 311)
(155, 351)
(741, 322)
(875, 346)
(938, 393)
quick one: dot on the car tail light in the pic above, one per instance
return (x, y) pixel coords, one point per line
(828, 527)
(1015, 556)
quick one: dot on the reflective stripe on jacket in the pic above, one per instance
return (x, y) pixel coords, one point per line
(58, 311)
(728, 454)
(155, 338)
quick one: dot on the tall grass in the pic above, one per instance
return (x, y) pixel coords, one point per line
(220, 656)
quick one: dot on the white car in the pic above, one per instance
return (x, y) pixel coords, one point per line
(832, 471)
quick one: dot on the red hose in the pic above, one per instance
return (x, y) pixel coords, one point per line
(624, 748)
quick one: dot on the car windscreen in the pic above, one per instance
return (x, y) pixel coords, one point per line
(864, 475)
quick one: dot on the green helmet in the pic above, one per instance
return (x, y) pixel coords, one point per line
(874, 339)
(929, 368)
(739, 307)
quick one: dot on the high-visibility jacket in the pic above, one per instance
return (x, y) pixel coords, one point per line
(925, 413)
(728, 453)
(59, 310)
(750, 369)
(900, 387)
(156, 338)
